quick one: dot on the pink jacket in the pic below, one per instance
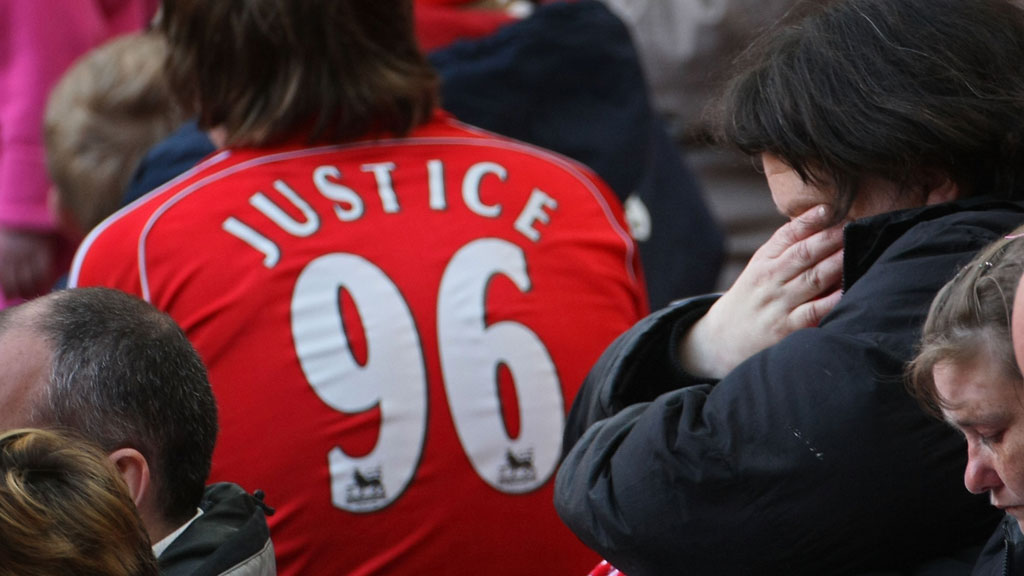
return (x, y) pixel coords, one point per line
(39, 39)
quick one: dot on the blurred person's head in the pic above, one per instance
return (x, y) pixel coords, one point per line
(260, 71)
(121, 374)
(65, 510)
(876, 105)
(106, 111)
(965, 371)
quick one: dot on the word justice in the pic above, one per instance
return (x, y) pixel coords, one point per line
(350, 206)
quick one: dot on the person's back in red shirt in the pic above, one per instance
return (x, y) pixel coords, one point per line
(395, 330)
(396, 310)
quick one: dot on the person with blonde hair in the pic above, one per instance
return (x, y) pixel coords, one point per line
(104, 113)
(65, 510)
(965, 373)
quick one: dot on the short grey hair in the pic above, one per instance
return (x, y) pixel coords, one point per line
(123, 374)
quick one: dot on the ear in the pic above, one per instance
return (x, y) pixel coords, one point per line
(134, 470)
(939, 188)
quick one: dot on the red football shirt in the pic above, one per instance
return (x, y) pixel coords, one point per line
(395, 330)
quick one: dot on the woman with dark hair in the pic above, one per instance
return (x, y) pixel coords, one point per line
(768, 430)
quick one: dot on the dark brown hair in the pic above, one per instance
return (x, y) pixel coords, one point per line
(266, 69)
(880, 88)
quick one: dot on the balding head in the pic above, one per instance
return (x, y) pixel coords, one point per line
(25, 363)
(120, 373)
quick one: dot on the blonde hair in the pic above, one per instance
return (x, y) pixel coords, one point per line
(101, 117)
(65, 510)
(969, 316)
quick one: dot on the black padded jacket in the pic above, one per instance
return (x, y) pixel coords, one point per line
(1003, 555)
(808, 458)
(230, 538)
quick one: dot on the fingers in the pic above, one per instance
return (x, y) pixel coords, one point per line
(790, 283)
(810, 313)
(803, 226)
(803, 258)
(825, 275)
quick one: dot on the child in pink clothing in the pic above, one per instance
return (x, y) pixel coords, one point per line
(38, 41)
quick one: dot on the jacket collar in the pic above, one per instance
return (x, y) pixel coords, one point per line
(866, 239)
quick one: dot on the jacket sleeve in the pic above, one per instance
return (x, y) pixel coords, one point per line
(808, 458)
(637, 367)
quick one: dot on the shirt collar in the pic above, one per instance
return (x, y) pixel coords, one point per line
(163, 544)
